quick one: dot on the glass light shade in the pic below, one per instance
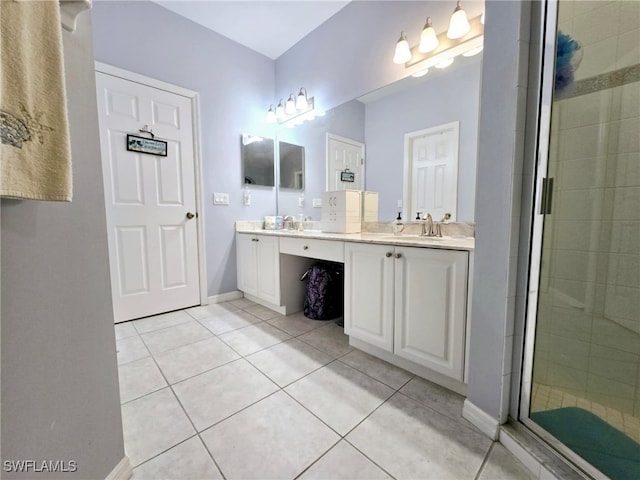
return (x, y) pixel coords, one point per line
(473, 51)
(280, 111)
(445, 63)
(428, 38)
(271, 115)
(459, 24)
(290, 108)
(301, 101)
(482, 18)
(403, 52)
(420, 73)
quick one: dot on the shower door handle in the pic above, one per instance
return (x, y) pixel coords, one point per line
(546, 200)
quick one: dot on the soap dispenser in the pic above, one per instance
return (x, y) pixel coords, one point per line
(398, 225)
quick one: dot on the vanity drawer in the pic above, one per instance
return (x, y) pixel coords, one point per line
(313, 248)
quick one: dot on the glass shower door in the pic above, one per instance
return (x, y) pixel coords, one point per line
(584, 389)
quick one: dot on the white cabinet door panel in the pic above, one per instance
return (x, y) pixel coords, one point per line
(368, 302)
(268, 259)
(430, 308)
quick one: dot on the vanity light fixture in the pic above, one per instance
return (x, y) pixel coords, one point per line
(295, 111)
(464, 37)
(403, 52)
(459, 24)
(420, 73)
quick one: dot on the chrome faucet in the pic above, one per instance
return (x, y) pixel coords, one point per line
(427, 226)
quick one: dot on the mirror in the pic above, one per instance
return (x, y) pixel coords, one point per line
(257, 160)
(291, 166)
(380, 120)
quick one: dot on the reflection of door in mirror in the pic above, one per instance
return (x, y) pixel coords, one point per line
(344, 156)
(258, 160)
(431, 171)
(291, 166)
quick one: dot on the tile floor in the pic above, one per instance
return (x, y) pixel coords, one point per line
(236, 391)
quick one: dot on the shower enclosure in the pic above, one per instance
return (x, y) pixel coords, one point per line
(581, 388)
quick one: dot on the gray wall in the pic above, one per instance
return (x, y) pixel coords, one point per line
(60, 397)
(235, 85)
(423, 106)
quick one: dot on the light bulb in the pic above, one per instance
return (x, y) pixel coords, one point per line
(459, 24)
(403, 52)
(280, 111)
(428, 38)
(301, 101)
(472, 52)
(445, 63)
(420, 73)
(271, 115)
(290, 108)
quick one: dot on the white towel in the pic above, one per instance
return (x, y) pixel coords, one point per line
(35, 157)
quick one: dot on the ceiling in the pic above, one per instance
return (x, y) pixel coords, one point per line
(269, 27)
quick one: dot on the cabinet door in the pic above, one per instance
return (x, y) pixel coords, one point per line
(430, 308)
(268, 252)
(246, 262)
(368, 296)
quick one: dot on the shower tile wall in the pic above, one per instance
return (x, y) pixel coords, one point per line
(588, 337)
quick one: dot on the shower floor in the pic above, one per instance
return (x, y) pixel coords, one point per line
(545, 397)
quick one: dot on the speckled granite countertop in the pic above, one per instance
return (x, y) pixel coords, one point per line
(453, 242)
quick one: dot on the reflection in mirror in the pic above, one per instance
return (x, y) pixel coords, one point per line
(291, 166)
(258, 160)
(381, 120)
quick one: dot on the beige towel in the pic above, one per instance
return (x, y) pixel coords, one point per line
(35, 157)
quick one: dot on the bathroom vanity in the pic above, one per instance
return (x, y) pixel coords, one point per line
(406, 298)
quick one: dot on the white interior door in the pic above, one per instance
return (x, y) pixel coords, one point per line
(431, 171)
(153, 245)
(342, 154)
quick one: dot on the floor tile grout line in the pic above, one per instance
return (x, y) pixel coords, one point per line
(484, 460)
(367, 456)
(204, 444)
(317, 460)
(164, 451)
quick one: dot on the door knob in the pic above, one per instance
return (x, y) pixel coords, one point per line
(398, 255)
(190, 215)
(388, 254)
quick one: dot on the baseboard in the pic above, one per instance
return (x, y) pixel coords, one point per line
(483, 421)
(225, 297)
(122, 471)
(259, 301)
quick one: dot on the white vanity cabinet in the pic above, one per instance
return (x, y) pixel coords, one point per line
(258, 263)
(409, 301)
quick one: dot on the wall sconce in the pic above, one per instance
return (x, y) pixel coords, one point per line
(463, 37)
(295, 111)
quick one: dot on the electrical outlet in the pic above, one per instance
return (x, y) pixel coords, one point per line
(317, 203)
(301, 201)
(220, 198)
(399, 203)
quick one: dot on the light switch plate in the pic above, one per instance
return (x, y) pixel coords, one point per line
(399, 204)
(220, 198)
(317, 203)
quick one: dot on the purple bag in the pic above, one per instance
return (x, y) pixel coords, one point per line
(324, 295)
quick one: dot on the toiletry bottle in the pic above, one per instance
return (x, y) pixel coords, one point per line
(398, 226)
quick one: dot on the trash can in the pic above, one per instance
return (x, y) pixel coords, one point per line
(324, 295)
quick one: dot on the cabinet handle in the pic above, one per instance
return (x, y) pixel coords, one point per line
(305, 248)
(255, 240)
(398, 255)
(388, 254)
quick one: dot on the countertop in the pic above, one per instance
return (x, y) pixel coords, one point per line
(456, 242)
